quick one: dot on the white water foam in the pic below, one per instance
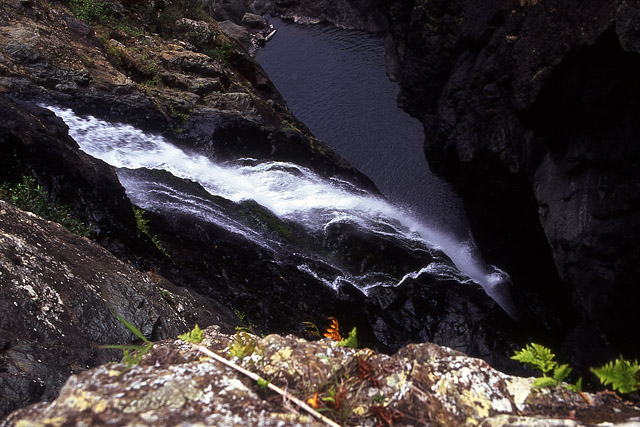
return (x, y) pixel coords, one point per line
(290, 191)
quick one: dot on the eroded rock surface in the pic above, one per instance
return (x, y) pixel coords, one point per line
(423, 384)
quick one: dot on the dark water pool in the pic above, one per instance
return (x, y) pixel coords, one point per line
(335, 81)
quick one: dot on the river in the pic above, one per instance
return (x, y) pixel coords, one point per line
(334, 80)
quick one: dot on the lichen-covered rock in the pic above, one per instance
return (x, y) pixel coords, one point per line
(176, 384)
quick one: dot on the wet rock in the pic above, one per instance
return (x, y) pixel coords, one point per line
(225, 136)
(34, 142)
(424, 384)
(57, 296)
(421, 298)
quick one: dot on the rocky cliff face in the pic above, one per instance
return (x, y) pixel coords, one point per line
(529, 109)
(171, 70)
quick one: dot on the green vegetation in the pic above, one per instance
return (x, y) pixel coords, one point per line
(179, 116)
(143, 226)
(194, 336)
(541, 358)
(623, 375)
(351, 341)
(263, 384)
(89, 11)
(243, 345)
(133, 354)
(378, 398)
(32, 197)
(287, 125)
(221, 53)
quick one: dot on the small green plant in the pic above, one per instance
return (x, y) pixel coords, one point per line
(89, 11)
(221, 52)
(351, 341)
(241, 315)
(312, 330)
(132, 354)
(263, 384)
(287, 125)
(623, 375)
(32, 197)
(194, 336)
(243, 345)
(141, 221)
(378, 398)
(541, 358)
(143, 225)
(179, 116)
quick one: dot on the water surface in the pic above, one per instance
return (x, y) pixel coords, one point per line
(334, 80)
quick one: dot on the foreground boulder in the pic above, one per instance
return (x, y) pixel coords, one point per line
(176, 384)
(58, 295)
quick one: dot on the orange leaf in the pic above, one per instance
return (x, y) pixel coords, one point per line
(333, 331)
(313, 401)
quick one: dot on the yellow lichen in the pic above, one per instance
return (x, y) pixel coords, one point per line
(100, 407)
(479, 404)
(282, 354)
(80, 402)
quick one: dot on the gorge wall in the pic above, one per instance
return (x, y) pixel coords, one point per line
(530, 110)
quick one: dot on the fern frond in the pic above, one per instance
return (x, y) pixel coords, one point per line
(621, 374)
(351, 341)
(536, 356)
(333, 331)
(543, 382)
(561, 372)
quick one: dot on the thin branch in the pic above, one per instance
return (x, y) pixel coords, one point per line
(277, 389)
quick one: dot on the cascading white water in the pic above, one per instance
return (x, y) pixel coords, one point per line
(290, 191)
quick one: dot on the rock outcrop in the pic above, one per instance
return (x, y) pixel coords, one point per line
(176, 384)
(58, 293)
(530, 110)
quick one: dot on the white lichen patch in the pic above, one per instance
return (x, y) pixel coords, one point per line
(471, 386)
(519, 388)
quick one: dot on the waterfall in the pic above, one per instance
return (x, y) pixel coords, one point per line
(291, 192)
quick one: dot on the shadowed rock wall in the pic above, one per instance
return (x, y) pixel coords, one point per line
(529, 109)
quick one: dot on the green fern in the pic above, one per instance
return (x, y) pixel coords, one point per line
(536, 356)
(194, 336)
(540, 357)
(623, 375)
(351, 341)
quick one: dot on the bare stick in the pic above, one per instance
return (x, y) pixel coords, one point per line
(277, 389)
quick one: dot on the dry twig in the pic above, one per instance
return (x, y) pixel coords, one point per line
(277, 389)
